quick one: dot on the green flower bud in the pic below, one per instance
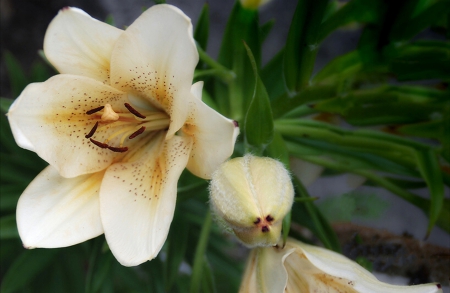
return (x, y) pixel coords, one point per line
(251, 196)
(253, 4)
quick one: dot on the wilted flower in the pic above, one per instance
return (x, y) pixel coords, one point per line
(251, 195)
(303, 268)
(117, 126)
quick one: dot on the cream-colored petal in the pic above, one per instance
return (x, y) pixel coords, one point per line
(265, 271)
(214, 136)
(137, 199)
(155, 58)
(249, 283)
(76, 43)
(270, 177)
(271, 273)
(57, 212)
(337, 267)
(252, 195)
(50, 118)
(20, 138)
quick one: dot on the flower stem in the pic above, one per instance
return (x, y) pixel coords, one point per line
(219, 70)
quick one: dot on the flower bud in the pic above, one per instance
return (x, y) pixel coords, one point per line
(253, 4)
(251, 196)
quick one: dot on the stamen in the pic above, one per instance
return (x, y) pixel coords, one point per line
(134, 111)
(91, 133)
(99, 144)
(137, 132)
(269, 218)
(264, 229)
(118, 150)
(95, 110)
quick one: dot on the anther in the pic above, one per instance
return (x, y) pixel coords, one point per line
(265, 229)
(95, 110)
(99, 144)
(91, 133)
(269, 218)
(257, 221)
(137, 132)
(134, 111)
(118, 150)
(236, 124)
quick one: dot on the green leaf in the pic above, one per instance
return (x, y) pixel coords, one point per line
(242, 26)
(363, 11)
(8, 227)
(265, 29)
(431, 172)
(208, 284)
(422, 60)
(340, 68)
(100, 264)
(201, 33)
(346, 207)
(277, 149)
(197, 268)
(285, 103)
(110, 20)
(5, 104)
(270, 75)
(17, 76)
(386, 105)
(176, 249)
(405, 30)
(258, 120)
(25, 268)
(307, 214)
(286, 226)
(302, 43)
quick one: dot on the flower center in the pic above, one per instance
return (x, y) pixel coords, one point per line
(264, 224)
(130, 125)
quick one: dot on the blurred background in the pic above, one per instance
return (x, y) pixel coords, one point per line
(23, 26)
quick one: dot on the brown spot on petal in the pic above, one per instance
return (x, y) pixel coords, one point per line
(269, 218)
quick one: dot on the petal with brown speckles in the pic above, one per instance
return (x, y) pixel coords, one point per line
(137, 199)
(155, 58)
(214, 136)
(50, 118)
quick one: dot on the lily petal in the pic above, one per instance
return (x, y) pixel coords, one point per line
(213, 134)
(155, 58)
(50, 118)
(20, 138)
(76, 43)
(271, 273)
(344, 273)
(57, 212)
(137, 199)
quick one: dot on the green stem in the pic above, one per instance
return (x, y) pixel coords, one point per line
(224, 73)
(199, 254)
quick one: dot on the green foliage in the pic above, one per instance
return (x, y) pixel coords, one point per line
(346, 207)
(381, 111)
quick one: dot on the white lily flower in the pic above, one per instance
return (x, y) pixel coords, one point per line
(302, 268)
(251, 196)
(117, 126)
